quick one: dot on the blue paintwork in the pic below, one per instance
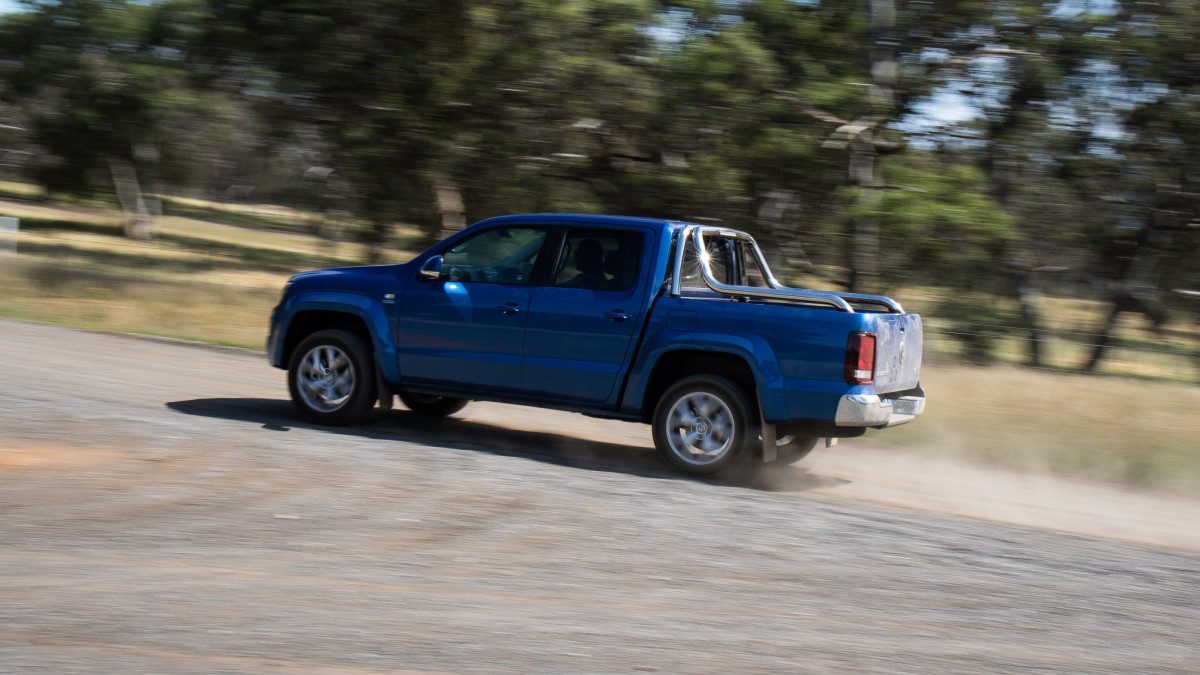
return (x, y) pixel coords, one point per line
(561, 351)
(454, 333)
(574, 350)
(358, 291)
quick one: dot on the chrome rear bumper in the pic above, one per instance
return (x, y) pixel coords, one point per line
(868, 410)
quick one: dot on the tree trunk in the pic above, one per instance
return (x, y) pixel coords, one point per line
(883, 52)
(1102, 338)
(1029, 298)
(1136, 290)
(376, 237)
(1002, 173)
(1126, 298)
(450, 207)
(139, 222)
(864, 174)
(783, 250)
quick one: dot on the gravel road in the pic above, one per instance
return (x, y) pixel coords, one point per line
(163, 510)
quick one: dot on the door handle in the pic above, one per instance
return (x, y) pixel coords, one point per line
(618, 315)
(509, 308)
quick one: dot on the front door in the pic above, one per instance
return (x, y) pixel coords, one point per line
(467, 328)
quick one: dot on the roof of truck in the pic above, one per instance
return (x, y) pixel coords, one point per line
(585, 219)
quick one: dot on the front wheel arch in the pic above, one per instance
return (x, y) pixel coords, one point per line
(307, 322)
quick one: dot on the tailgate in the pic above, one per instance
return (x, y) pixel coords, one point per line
(897, 352)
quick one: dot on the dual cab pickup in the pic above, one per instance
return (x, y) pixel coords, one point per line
(674, 324)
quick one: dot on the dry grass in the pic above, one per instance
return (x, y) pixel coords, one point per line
(21, 190)
(64, 213)
(274, 210)
(281, 241)
(1139, 433)
(210, 312)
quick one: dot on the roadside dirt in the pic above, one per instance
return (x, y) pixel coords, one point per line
(162, 509)
(936, 485)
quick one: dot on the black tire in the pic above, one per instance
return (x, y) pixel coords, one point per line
(705, 425)
(331, 378)
(795, 450)
(427, 405)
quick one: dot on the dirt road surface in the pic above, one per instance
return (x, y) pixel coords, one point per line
(163, 510)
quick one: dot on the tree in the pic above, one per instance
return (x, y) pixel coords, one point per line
(1153, 250)
(102, 85)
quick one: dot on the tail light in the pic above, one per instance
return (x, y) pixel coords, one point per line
(860, 358)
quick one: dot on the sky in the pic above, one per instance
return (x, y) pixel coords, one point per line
(7, 6)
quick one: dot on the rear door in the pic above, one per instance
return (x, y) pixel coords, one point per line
(582, 322)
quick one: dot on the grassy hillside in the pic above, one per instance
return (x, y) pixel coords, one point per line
(214, 274)
(201, 280)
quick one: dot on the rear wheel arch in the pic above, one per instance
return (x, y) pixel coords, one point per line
(676, 365)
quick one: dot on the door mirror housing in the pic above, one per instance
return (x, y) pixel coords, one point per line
(431, 269)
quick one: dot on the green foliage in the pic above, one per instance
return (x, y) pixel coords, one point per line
(103, 80)
(978, 322)
(939, 226)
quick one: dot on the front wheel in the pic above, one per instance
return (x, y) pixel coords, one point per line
(428, 405)
(331, 377)
(703, 425)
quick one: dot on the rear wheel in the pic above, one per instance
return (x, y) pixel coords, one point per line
(330, 377)
(703, 425)
(792, 449)
(427, 405)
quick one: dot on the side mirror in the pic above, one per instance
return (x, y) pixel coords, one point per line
(431, 270)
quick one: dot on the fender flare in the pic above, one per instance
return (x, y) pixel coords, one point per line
(752, 349)
(355, 304)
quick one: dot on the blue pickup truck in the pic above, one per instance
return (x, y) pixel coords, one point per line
(674, 324)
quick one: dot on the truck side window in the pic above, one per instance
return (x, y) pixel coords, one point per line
(720, 259)
(753, 274)
(599, 259)
(502, 255)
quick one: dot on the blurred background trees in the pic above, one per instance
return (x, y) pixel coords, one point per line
(1002, 150)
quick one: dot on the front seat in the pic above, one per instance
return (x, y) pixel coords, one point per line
(589, 260)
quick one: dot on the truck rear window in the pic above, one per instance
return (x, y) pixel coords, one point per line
(732, 262)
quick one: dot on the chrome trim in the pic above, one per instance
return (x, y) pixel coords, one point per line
(701, 428)
(678, 262)
(868, 410)
(884, 301)
(777, 291)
